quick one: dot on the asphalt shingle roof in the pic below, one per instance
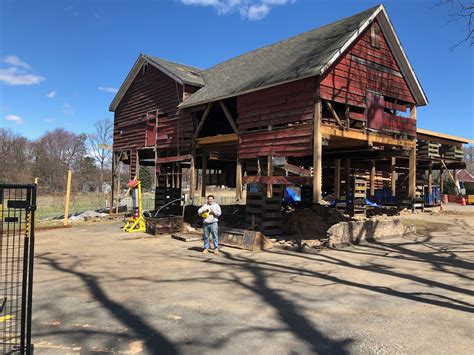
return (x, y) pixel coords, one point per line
(185, 73)
(300, 56)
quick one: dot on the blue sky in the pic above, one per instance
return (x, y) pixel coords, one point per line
(61, 60)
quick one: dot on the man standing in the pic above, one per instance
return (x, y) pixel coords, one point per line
(210, 212)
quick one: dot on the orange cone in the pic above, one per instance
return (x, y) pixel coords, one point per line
(463, 201)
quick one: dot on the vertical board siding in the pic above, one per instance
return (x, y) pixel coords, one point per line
(290, 103)
(363, 68)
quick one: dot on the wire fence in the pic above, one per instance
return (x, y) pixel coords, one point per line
(51, 205)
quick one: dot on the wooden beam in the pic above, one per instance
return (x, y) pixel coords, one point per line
(238, 180)
(412, 174)
(317, 150)
(337, 179)
(346, 116)
(393, 176)
(370, 138)
(278, 180)
(203, 119)
(192, 176)
(270, 174)
(333, 113)
(347, 178)
(203, 175)
(412, 162)
(229, 117)
(176, 158)
(441, 181)
(295, 170)
(430, 179)
(223, 138)
(372, 178)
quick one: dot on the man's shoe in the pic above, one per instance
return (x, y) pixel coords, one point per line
(205, 251)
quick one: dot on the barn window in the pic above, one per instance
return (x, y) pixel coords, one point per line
(375, 36)
(145, 68)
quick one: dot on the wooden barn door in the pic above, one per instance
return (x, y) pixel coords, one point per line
(374, 112)
(150, 133)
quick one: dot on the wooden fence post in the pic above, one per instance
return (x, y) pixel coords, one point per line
(68, 195)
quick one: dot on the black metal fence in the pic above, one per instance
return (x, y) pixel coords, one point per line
(17, 240)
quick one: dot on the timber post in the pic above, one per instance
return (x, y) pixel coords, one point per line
(393, 176)
(317, 149)
(192, 173)
(412, 162)
(269, 173)
(337, 179)
(68, 198)
(372, 178)
(238, 180)
(430, 179)
(203, 175)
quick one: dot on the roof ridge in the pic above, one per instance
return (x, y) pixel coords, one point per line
(372, 9)
(173, 62)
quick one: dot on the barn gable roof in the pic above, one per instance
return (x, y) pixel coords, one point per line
(183, 74)
(305, 55)
(302, 56)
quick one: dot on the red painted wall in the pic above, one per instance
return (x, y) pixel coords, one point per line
(287, 104)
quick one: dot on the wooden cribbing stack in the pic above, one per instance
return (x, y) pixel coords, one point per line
(427, 150)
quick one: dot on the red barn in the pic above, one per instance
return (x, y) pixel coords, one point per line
(345, 91)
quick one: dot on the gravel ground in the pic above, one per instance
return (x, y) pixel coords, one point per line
(99, 290)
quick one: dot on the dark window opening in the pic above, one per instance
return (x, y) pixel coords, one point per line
(145, 68)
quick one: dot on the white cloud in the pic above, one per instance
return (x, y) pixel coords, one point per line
(107, 89)
(14, 118)
(49, 119)
(51, 94)
(18, 72)
(16, 62)
(67, 109)
(257, 12)
(248, 9)
(12, 76)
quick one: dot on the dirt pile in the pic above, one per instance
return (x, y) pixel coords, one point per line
(311, 223)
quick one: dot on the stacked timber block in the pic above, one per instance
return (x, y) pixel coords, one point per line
(453, 153)
(164, 195)
(358, 205)
(263, 211)
(427, 150)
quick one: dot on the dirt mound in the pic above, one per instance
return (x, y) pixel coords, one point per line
(311, 223)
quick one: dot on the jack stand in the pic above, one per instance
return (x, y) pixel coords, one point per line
(136, 222)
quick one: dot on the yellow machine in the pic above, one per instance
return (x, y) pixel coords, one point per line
(136, 222)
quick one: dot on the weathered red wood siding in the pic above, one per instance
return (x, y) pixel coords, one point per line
(148, 92)
(279, 106)
(349, 79)
(363, 68)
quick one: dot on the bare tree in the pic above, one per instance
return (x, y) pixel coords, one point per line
(461, 11)
(469, 158)
(57, 151)
(99, 144)
(15, 153)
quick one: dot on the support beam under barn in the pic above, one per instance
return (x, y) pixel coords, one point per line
(412, 162)
(203, 175)
(238, 180)
(337, 179)
(393, 176)
(372, 178)
(317, 151)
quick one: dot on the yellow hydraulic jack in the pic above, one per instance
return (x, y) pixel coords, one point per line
(136, 222)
